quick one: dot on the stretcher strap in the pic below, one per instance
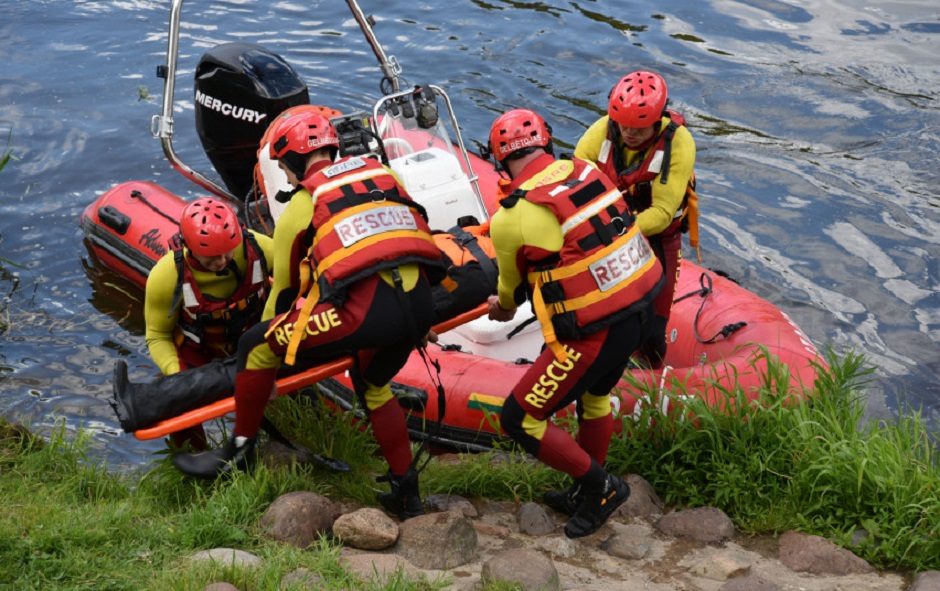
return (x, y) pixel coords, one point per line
(300, 325)
(544, 314)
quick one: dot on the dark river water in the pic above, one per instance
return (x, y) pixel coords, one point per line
(817, 125)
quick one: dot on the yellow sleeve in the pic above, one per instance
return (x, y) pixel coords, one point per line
(266, 244)
(159, 318)
(294, 220)
(589, 146)
(666, 199)
(512, 229)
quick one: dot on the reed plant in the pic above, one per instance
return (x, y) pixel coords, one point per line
(7, 154)
(776, 463)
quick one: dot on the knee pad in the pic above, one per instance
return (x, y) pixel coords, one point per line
(524, 429)
(261, 357)
(375, 396)
(253, 350)
(593, 407)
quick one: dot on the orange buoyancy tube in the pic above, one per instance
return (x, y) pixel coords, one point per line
(214, 323)
(635, 180)
(606, 268)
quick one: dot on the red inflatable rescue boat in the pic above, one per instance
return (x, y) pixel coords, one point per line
(720, 335)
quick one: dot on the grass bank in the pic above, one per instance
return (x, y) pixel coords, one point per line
(71, 524)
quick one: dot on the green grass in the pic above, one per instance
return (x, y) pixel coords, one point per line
(772, 465)
(70, 524)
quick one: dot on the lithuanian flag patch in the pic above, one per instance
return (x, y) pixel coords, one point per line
(485, 402)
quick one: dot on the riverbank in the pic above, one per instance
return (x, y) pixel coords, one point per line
(805, 468)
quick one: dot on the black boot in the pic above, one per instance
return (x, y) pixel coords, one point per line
(564, 501)
(597, 504)
(123, 403)
(404, 500)
(238, 453)
(138, 406)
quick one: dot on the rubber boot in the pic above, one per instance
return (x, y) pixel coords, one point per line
(598, 502)
(404, 500)
(191, 438)
(238, 453)
(564, 501)
(138, 406)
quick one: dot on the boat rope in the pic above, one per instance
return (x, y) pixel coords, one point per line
(424, 448)
(435, 377)
(140, 196)
(520, 327)
(705, 281)
(258, 220)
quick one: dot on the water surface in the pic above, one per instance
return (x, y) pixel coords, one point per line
(817, 127)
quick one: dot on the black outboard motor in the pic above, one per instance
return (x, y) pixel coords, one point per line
(240, 88)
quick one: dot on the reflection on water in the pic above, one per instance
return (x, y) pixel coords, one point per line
(817, 130)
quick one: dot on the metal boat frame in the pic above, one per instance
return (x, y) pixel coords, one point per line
(161, 125)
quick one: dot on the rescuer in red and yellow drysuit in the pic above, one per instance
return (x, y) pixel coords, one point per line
(203, 295)
(565, 238)
(647, 150)
(354, 262)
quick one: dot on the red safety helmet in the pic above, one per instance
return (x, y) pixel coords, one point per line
(301, 133)
(638, 100)
(210, 228)
(518, 129)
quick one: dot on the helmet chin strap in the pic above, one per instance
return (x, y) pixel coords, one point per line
(230, 267)
(233, 269)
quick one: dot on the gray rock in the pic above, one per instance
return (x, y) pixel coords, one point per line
(643, 500)
(491, 529)
(301, 579)
(720, 564)
(702, 524)
(491, 507)
(299, 518)
(378, 567)
(926, 581)
(438, 541)
(626, 546)
(557, 546)
(530, 570)
(366, 529)
(534, 520)
(451, 503)
(749, 583)
(812, 554)
(220, 587)
(227, 557)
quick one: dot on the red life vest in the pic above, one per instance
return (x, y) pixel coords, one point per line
(363, 222)
(636, 180)
(217, 324)
(605, 270)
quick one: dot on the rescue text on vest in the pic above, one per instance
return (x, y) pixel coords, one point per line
(621, 264)
(374, 221)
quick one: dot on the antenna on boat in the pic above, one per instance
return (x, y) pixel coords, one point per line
(389, 64)
(161, 126)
